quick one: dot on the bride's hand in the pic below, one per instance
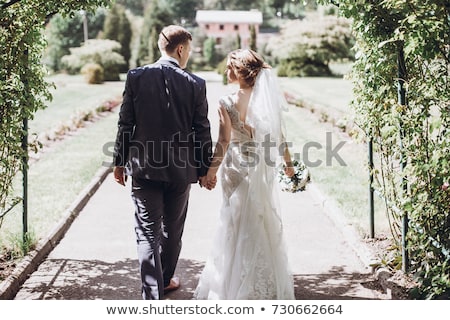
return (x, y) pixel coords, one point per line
(211, 181)
(289, 170)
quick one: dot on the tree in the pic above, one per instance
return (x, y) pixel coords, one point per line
(137, 7)
(184, 10)
(117, 27)
(401, 99)
(233, 4)
(252, 43)
(209, 52)
(64, 32)
(156, 18)
(306, 47)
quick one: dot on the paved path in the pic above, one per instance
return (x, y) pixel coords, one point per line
(97, 257)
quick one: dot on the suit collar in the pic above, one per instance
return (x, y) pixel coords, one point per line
(169, 60)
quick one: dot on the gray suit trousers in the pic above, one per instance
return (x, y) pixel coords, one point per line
(160, 213)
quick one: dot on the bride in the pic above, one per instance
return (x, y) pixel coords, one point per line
(249, 259)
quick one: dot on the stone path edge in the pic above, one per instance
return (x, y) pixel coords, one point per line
(11, 285)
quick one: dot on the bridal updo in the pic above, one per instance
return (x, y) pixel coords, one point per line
(246, 64)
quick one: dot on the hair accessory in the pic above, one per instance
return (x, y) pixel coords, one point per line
(165, 37)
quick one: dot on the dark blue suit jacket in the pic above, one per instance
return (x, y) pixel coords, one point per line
(163, 130)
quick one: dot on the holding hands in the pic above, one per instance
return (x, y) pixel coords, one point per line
(209, 181)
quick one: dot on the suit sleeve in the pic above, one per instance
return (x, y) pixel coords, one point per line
(202, 130)
(126, 125)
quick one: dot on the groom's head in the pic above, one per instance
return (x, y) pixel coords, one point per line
(175, 41)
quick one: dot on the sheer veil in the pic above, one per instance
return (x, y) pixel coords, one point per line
(264, 115)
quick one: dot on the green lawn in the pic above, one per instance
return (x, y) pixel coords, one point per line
(332, 95)
(72, 96)
(347, 185)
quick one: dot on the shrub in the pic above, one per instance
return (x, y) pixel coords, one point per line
(306, 47)
(209, 51)
(102, 52)
(222, 70)
(93, 73)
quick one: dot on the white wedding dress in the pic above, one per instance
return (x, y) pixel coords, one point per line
(249, 258)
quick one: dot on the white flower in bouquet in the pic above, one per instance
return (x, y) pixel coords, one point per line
(298, 181)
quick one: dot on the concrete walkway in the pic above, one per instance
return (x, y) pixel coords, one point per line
(96, 259)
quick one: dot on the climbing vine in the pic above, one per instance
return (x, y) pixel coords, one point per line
(407, 42)
(23, 89)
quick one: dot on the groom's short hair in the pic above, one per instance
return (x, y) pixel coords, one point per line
(171, 37)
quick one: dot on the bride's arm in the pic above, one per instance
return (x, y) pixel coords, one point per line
(288, 169)
(221, 146)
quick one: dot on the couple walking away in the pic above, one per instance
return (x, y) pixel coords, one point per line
(164, 144)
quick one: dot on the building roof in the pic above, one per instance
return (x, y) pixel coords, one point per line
(229, 16)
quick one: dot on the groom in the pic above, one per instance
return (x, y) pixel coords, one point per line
(164, 144)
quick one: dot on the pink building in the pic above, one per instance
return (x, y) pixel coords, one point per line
(225, 24)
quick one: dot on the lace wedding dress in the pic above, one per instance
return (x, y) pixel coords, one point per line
(249, 258)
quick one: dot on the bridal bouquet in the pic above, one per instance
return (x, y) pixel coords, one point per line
(298, 181)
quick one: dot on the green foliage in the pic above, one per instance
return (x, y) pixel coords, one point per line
(241, 4)
(303, 65)
(252, 43)
(63, 33)
(306, 47)
(156, 17)
(184, 10)
(135, 6)
(222, 70)
(102, 52)
(292, 9)
(21, 245)
(23, 89)
(209, 51)
(117, 27)
(419, 29)
(93, 73)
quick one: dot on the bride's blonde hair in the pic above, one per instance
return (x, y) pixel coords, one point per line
(246, 64)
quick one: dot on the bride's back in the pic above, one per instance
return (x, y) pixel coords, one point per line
(241, 101)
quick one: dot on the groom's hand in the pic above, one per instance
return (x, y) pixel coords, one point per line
(202, 181)
(119, 175)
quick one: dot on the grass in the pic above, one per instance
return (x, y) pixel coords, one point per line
(331, 95)
(347, 185)
(65, 168)
(71, 96)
